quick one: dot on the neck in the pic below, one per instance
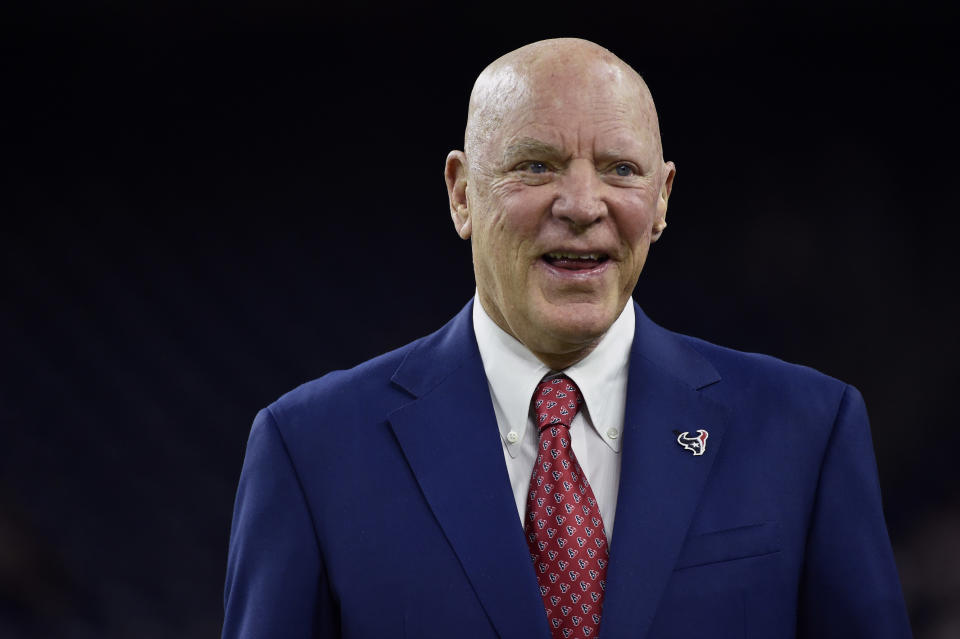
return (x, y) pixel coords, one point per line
(555, 354)
(562, 361)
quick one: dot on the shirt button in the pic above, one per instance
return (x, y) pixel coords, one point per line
(512, 437)
(613, 433)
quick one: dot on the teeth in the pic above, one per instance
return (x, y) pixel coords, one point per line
(574, 256)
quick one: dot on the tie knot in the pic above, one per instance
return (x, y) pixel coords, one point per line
(556, 401)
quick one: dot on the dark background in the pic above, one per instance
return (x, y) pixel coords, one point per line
(203, 207)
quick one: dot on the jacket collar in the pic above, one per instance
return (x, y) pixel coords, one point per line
(660, 481)
(463, 476)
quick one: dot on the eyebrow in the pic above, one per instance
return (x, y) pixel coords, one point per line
(531, 147)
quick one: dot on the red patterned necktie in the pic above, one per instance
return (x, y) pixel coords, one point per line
(563, 527)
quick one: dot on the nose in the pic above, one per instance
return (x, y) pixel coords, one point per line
(579, 200)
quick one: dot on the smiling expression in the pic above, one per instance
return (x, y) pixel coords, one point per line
(561, 190)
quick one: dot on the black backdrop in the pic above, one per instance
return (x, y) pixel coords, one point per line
(206, 206)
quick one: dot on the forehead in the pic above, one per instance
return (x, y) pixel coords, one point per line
(574, 102)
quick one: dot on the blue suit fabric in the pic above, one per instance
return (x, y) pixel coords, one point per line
(374, 502)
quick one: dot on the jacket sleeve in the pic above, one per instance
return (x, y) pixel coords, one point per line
(276, 585)
(850, 587)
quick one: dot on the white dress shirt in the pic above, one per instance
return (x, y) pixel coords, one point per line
(513, 373)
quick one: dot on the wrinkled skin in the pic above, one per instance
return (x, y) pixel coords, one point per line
(561, 189)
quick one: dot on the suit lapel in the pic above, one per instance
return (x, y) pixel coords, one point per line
(660, 482)
(450, 438)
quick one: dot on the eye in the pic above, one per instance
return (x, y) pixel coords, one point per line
(624, 170)
(534, 167)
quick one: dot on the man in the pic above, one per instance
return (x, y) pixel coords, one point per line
(467, 485)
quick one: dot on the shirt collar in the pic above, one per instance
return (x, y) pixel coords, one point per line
(513, 373)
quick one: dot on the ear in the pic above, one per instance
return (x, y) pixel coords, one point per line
(455, 174)
(660, 222)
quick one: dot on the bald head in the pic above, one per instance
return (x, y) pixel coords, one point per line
(542, 70)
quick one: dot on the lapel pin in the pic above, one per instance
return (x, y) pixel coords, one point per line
(696, 445)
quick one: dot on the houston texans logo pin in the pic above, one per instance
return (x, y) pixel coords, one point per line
(696, 445)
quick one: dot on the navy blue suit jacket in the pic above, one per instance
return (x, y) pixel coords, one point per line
(374, 502)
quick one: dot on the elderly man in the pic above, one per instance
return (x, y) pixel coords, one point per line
(467, 484)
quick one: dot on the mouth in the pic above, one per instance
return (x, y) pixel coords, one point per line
(575, 260)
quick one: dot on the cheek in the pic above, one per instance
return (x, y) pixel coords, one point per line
(498, 232)
(635, 219)
(516, 214)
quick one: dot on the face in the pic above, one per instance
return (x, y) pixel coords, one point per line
(561, 202)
